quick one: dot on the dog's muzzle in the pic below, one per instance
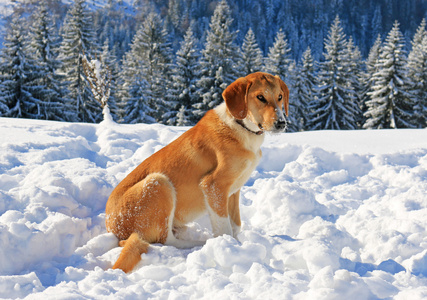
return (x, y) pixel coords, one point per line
(281, 123)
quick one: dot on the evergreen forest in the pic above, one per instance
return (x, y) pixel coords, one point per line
(348, 64)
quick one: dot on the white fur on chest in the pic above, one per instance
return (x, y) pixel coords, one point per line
(249, 140)
(247, 170)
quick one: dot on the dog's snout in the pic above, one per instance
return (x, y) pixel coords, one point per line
(281, 124)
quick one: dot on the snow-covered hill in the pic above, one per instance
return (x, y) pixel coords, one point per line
(326, 215)
(7, 7)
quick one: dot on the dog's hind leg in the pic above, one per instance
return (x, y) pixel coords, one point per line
(172, 240)
(146, 212)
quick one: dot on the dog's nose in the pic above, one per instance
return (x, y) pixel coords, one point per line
(280, 124)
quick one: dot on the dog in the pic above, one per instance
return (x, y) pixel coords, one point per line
(202, 170)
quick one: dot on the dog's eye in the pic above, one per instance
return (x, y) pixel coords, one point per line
(261, 98)
(280, 98)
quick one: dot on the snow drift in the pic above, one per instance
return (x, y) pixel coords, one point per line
(326, 215)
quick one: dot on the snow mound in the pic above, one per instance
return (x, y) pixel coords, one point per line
(326, 215)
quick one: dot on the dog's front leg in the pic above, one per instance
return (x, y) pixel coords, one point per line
(220, 225)
(234, 212)
(216, 199)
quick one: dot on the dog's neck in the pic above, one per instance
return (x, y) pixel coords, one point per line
(241, 123)
(250, 140)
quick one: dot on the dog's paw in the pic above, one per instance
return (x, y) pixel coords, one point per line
(236, 230)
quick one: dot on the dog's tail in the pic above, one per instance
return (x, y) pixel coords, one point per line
(130, 256)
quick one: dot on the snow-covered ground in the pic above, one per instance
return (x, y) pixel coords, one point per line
(326, 215)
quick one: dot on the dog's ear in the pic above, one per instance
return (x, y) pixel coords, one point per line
(285, 90)
(236, 98)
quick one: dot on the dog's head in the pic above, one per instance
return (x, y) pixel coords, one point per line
(259, 97)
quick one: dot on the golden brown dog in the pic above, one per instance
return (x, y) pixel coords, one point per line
(203, 170)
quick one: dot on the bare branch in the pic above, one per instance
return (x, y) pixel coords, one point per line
(99, 79)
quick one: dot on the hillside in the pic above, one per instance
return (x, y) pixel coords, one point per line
(306, 23)
(326, 215)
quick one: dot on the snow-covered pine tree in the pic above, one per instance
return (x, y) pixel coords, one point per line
(221, 60)
(184, 76)
(152, 53)
(133, 91)
(138, 94)
(113, 22)
(183, 118)
(18, 88)
(44, 47)
(391, 105)
(251, 54)
(279, 60)
(419, 35)
(304, 91)
(336, 105)
(417, 72)
(78, 39)
(295, 122)
(355, 78)
(367, 80)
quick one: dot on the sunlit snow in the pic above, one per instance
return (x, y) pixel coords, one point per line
(326, 215)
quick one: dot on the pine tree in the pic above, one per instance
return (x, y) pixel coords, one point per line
(304, 91)
(136, 109)
(251, 54)
(336, 106)
(183, 118)
(420, 34)
(152, 48)
(158, 66)
(391, 105)
(295, 118)
(134, 90)
(44, 48)
(184, 77)
(368, 76)
(18, 88)
(354, 79)
(279, 59)
(221, 60)
(78, 39)
(417, 73)
(114, 23)
(146, 74)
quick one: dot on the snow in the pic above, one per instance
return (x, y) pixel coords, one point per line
(326, 215)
